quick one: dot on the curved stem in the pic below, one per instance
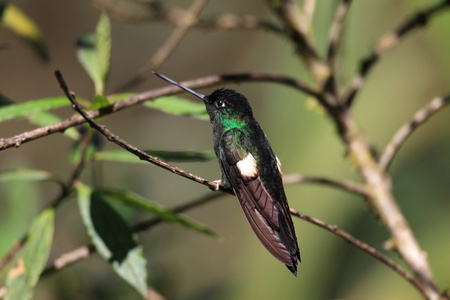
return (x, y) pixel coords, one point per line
(400, 137)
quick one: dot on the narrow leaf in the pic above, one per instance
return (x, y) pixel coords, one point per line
(113, 238)
(25, 109)
(19, 23)
(103, 45)
(93, 51)
(87, 56)
(138, 202)
(25, 175)
(174, 156)
(179, 106)
(23, 277)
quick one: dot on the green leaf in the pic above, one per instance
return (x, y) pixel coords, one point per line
(25, 175)
(23, 277)
(28, 108)
(174, 156)
(113, 238)
(138, 202)
(117, 97)
(179, 107)
(103, 45)
(36, 112)
(99, 102)
(19, 23)
(93, 51)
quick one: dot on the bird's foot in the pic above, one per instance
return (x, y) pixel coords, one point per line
(217, 184)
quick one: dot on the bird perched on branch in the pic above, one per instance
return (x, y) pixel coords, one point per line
(249, 167)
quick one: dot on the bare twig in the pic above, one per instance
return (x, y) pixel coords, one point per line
(399, 138)
(13, 251)
(146, 224)
(189, 18)
(18, 140)
(361, 245)
(231, 21)
(115, 139)
(83, 252)
(348, 186)
(69, 258)
(378, 186)
(336, 31)
(133, 11)
(308, 10)
(387, 42)
(297, 28)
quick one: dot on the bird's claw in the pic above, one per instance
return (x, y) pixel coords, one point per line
(217, 184)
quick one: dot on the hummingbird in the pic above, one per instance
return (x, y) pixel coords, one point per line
(250, 168)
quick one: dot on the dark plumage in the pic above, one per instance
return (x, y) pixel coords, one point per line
(249, 166)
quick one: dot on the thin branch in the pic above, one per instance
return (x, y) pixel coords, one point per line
(400, 137)
(13, 251)
(231, 21)
(298, 30)
(133, 11)
(169, 46)
(336, 31)
(83, 252)
(361, 245)
(387, 42)
(380, 197)
(118, 141)
(18, 140)
(69, 258)
(147, 224)
(347, 186)
(308, 10)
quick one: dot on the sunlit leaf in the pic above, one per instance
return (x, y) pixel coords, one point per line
(174, 156)
(179, 106)
(36, 111)
(103, 46)
(22, 278)
(93, 51)
(138, 202)
(25, 109)
(19, 23)
(99, 102)
(113, 238)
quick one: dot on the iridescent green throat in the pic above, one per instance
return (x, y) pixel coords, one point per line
(230, 122)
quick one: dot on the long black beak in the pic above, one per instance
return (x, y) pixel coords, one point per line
(201, 96)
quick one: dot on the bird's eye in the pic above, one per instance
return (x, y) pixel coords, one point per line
(220, 104)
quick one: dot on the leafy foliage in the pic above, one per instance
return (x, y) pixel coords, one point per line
(23, 277)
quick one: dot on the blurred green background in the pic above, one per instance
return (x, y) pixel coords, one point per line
(183, 264)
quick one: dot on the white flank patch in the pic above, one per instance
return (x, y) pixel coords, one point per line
(279, 165)
(247, 166)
